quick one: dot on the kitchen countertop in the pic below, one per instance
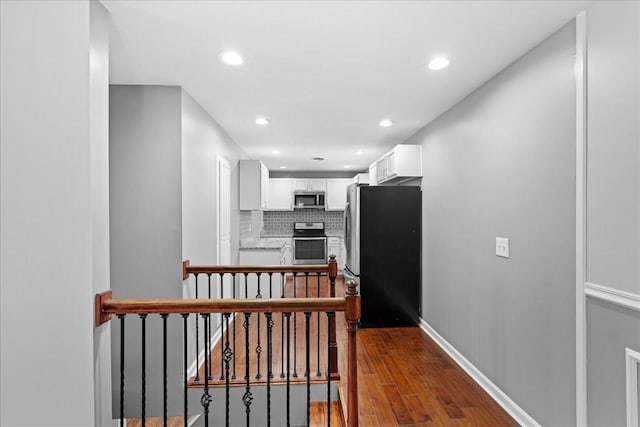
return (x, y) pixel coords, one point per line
(263, 243)
(284, 234)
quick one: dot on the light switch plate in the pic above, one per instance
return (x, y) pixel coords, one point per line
(502, 247)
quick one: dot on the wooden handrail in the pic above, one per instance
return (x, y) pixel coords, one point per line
(105, 306)
(161, 306)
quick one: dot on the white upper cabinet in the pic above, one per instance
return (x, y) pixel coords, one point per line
(401, 163)
(309, 185)
(336, 197)
(373, 174)
(280, 194)
(254, 185)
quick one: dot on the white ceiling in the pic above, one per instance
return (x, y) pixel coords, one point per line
(324, 72)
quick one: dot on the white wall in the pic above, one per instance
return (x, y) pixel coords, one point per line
(99, 131)
(501, 163)
(47, 205)
(613, 202)
(202, 140)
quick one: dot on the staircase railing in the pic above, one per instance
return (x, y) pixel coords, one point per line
(251, 312)
(243, 281)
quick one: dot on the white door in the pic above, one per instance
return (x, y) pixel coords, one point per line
(223, 175)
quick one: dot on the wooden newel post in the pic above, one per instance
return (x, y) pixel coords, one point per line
(352, 316)
(333, 344)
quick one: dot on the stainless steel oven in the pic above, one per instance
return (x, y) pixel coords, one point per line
(309, 243)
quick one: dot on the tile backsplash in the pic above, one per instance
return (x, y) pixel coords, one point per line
(274, 222)
(245, 224)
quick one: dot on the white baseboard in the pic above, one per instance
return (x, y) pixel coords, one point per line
(498, 395)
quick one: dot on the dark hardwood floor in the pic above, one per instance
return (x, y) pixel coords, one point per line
(404, 378)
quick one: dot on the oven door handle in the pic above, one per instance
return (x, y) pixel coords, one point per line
(309, 238)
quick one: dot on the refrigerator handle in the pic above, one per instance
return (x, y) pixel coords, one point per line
(347, 237)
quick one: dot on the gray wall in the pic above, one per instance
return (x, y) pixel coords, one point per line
(611, 329)
(163, 149)
(613, 201)
(501, 163)
(146, 231)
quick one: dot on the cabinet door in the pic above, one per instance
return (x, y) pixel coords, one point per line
(301, 184)
(280, 194)
(373, 174)
(391, 165)
(286, 255)
(253, 187)
(337, 193)
(264, 186)
(333, 248)
(317, 184)
(309, 184)
(381, 169)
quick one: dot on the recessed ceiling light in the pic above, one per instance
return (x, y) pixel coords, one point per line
(275, 152)
(283, 167)
(347, 166)
(231, 58)
(386, 123)
(438, 63)
(262, 121)
(359, 152)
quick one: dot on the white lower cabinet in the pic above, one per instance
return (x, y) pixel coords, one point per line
(257, 257)
(335, 246)
(286, 254)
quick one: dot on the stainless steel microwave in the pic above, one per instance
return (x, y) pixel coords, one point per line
(309, 200)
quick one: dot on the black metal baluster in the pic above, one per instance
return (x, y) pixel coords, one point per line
(258, 346)
(247, 396)
(221, 275)
(288, 316)
(234, 329)
(270, 284)
(227, 354)
(268, 316)
(143, 318)
(318, 374)
(164, 368)
(295, 332)
(205, 400)
(307, 318)
(197, 378)
(259, 294)
(185, 418)
(121, 317)
(306, 284)
(282, 280)
(259, 352)
(246, 285)
(329, 315)
(207, 353)
(221, 284)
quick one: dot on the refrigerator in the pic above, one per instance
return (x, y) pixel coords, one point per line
(383, 242)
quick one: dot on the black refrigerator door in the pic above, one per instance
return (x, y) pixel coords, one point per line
(390, 259)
